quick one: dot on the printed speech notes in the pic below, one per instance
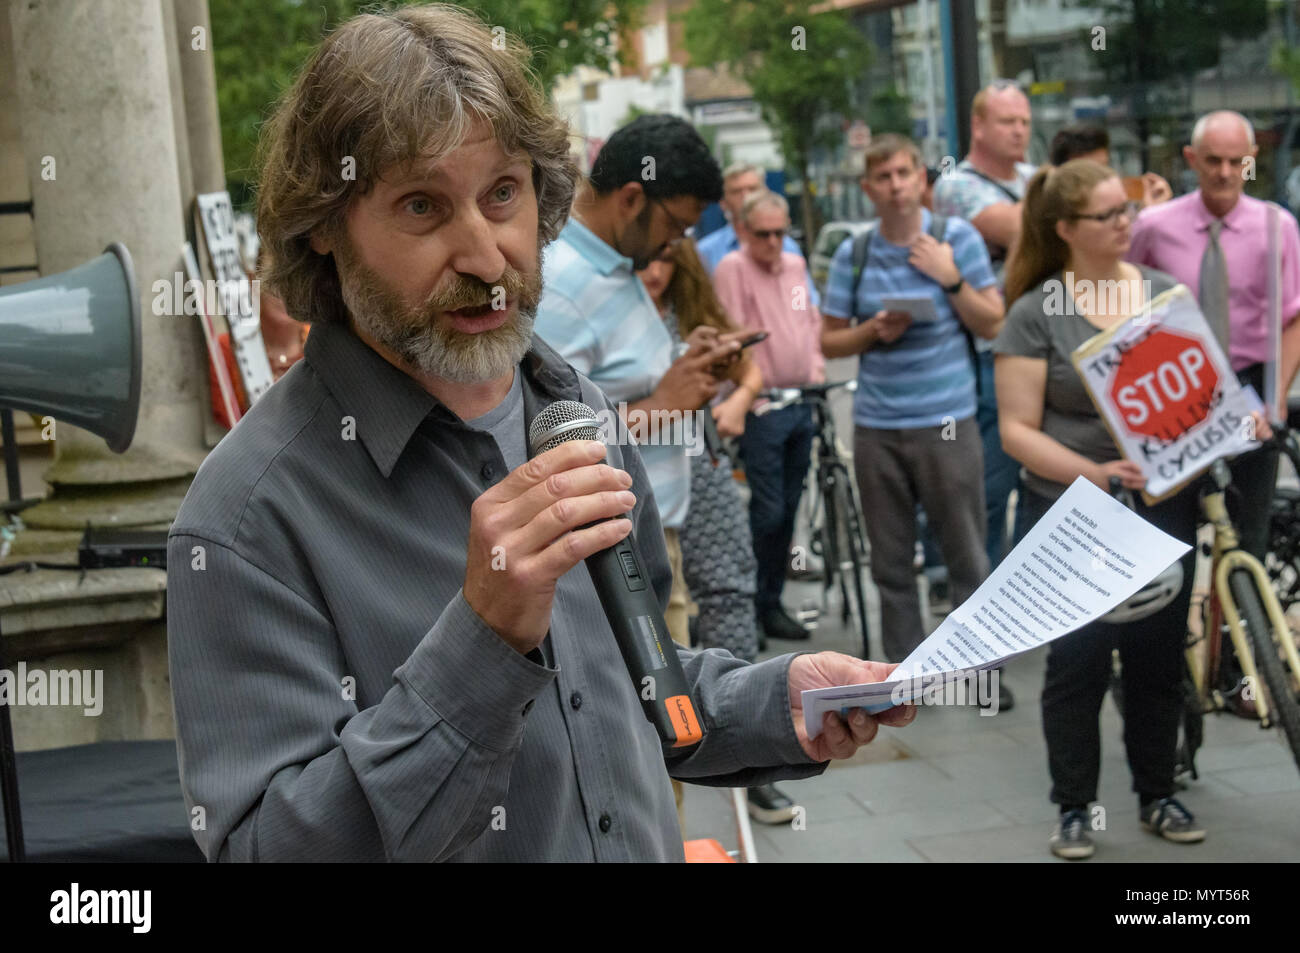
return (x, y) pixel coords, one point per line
(1084, 557)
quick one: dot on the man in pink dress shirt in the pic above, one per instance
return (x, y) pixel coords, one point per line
(1175, 238)
(1179, 238)
(765, 288)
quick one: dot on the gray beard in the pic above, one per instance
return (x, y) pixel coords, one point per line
(452, 355)
(436, 350)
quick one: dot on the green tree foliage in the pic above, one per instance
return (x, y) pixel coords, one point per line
(799, 66)
(1151, 48)
(260, 44)
(890, 111)
(1148, 41)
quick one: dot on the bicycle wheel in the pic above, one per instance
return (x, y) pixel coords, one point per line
(1282, 694)
(1282, 561)
(849, 550)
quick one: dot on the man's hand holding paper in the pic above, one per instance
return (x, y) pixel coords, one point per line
(839, 737)
(1084, 557)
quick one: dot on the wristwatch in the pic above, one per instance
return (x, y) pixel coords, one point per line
(953, 289)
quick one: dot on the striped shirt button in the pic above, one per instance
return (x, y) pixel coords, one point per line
(606, 822)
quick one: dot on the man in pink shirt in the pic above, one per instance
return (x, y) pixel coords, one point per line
(1216, 241)
(765, 288)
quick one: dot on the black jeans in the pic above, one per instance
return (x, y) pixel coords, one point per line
(1151, 655)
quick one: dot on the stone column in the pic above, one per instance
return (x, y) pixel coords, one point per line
(99, 131)
(199, 81)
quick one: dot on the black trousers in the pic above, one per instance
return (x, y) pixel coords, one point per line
(1151, 655)
(1254, 475)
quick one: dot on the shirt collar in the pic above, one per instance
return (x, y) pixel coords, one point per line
(1233, 221)
(387, 405)
(593, 248)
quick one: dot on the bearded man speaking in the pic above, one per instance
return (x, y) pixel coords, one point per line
(385, 644)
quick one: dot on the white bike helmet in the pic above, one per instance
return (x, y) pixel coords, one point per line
(1151, 598)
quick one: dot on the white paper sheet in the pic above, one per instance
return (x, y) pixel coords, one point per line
(1084, 557)
(920, 308)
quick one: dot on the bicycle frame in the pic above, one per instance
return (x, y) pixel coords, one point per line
(1228, 557)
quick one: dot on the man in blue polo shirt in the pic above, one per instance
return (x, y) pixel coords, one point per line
(916, 439)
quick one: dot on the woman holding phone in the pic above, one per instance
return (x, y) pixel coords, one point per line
(1075, 228)
(717, 550)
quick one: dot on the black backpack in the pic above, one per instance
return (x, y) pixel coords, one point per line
(862, 255)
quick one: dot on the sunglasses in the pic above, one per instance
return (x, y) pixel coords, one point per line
(764, 234)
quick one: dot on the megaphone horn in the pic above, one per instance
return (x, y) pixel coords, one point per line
(70, 346)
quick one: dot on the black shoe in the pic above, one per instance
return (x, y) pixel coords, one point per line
(777, 625)
(768, 805)
(1070, 840)
(1168, 818)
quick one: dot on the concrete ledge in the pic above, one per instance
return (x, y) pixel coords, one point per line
(52, 599)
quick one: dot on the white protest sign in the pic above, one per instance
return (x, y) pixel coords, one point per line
(1166, 392)
(237, 295)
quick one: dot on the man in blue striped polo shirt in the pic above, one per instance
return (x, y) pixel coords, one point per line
(915, 438)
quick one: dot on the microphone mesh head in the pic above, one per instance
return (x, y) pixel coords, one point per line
(561, 421)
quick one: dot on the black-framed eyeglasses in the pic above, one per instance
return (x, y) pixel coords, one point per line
(766, 233)
(1129, 209)
(686, 229)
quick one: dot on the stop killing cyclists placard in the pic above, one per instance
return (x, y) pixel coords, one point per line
(1167, 392)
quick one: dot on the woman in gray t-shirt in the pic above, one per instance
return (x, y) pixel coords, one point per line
(1067, 282)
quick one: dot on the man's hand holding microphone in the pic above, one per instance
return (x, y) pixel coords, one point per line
(556, 510)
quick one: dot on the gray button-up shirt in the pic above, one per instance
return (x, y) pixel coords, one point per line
(337, 699)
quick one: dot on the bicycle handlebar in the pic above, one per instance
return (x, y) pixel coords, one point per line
(781, 397)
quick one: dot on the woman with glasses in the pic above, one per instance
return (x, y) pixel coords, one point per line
(1068, 283)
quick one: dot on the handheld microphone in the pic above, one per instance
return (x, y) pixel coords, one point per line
(630, 605)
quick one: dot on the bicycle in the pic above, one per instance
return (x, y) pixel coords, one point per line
(1242, 603)
(837, 534)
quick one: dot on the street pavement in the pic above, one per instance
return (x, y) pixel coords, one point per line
(956, 785)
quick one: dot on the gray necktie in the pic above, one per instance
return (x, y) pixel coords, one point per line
(1214, 287)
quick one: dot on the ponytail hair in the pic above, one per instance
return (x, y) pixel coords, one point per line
(1053, 194)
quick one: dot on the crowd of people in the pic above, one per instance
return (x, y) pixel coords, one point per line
(961, 406)
(955, 416)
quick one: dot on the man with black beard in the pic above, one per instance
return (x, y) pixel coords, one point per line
(384, 643)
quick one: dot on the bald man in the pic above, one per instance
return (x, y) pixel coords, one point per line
(986, 188)
(1175, 237)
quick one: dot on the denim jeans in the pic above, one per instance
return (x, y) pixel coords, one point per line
(776, 449)
(1001, 473)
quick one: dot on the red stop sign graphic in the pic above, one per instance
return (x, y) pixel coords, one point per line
(1165, 385)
